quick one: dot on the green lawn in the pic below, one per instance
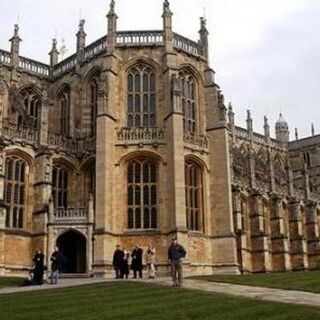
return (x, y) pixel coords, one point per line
(137, 301)
(11, 282)
(302, 281)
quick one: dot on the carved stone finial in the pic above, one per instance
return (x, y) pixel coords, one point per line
(230, 108)
(81, 24)
(312, 129)
(16, 30)
(249, 121)
(296, 133)
(266, 127)
(112, 6)
(203, 24)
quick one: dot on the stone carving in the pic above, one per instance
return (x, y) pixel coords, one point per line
(280, 174)
(241, 165)
(262, 170)
(16, 102)
(222, 107)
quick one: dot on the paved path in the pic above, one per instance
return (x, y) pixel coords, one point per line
(257, 293)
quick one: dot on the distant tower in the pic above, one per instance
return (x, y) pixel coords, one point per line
(282, 130)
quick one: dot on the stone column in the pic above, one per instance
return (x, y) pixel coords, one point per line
(240, 231)
(44, 119)
(50, 232)
(279, 240)
(2, 207)
(176, 187)
(298, 246)
(312, 232)
(90, 233)
(224, 247)
(42, 193)
(259, 237)
(105, 158)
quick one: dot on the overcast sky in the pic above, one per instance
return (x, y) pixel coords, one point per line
(266, 53)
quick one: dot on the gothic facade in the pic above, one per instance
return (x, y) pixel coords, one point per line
(129, 141)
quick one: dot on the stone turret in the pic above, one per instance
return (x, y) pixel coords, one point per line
(282, 130)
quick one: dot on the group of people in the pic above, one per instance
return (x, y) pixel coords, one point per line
(123, 261)
(37, 272)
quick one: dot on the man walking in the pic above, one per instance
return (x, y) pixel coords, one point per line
(175, 253)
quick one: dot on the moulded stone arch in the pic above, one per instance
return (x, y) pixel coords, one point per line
(87, 163)
(198, 161)
(61, 88)
(31, 86)
(141, 153)
(23, 154)
(80, 231)
(67, 163)
(91, 74)
(187, 67)
(143, 60)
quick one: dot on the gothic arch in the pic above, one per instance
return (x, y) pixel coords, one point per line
(68, 164)
(91, 74)
(187, 67)
(31, 86)
(200, 162)
(143, 60)
(23, 154)
(79, 231)
(136, 154)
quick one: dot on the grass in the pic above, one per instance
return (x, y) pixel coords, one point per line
(137, 301)
(301, 281)
(11, 282)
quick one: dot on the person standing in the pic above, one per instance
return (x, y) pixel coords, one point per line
(117, 262)
(176, 252)
(56, 265)
(150, 260)
(38, 260)
(125, 263)
(136, 263)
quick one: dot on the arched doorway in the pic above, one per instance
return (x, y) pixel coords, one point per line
(72, 245)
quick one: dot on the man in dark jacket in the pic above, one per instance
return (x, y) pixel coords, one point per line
(136, 263)
(117, 262)
(175, 253)
(56, 265)
(38, 260)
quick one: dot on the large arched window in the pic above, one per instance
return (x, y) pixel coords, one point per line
(64, 110)
(60, 186)
(29, 118)
(141, 97)
(93, 105)
(142, 194)
(193, 182)
(188, 102)
(15, 192)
